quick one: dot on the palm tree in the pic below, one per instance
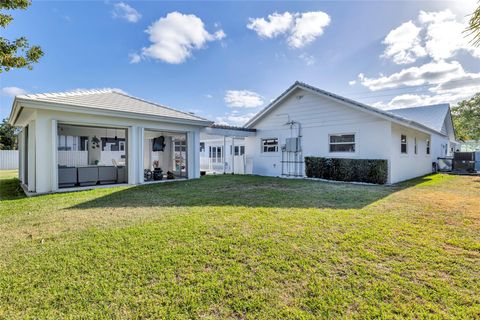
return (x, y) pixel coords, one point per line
(473, 28)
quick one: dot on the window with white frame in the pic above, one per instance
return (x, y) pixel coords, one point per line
(403, 143)
(215, 154)
(270, 145)
(239, 150)
(68, 143)
(342, 142)
(428, 146)
(415, 146)
(180, 146)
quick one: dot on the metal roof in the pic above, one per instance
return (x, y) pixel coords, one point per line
(432, 116)
(227, 127)
(111, 100)
(367, 108)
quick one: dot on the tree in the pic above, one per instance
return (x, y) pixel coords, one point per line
(473, 28)
(16, 53)
(8, 139)
(466, 118)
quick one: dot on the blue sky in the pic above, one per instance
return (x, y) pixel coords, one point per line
(226, 60)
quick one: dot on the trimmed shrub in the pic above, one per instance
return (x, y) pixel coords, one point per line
(358, 170)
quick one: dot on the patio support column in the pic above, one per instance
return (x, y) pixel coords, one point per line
(140, 144)
(31, 163)
(233, 154)
(224, 158)
(54, 173)
(132, 154)
(21, 155)
(193, 154)
(43, 154)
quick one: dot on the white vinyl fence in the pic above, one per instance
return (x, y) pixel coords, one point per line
(8, 159)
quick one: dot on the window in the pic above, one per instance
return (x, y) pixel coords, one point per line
(239, 150)
(215, 153)
(403, 143)
(415, 147)
(342, 143)
(67, 143)
(270, 145)
(180, 146)
(121, 145)
(202, 146)
(428, 146)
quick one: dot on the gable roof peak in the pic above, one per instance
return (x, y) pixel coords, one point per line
(355, 104)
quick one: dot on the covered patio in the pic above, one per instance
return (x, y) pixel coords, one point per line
(95, 138)
(164, 155)
(222, 150)
(91, 155)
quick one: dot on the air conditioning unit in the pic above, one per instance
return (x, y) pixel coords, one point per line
(464, 162)
(292, 145)
(477, 161)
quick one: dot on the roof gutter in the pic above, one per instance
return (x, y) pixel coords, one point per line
(14, 113)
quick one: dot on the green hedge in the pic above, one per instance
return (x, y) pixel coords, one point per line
(359, 170)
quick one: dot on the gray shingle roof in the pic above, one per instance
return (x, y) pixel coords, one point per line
(112, 100)
(432, 116)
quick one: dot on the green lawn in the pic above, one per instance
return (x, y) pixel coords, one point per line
(243, 247)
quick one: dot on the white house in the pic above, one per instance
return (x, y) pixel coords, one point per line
(307, 121)
(86, 138)
(439, 118)
(98, 137)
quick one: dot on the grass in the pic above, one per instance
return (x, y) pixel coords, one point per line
(243, 247)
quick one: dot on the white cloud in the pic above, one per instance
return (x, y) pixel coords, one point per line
(403, 44)
(308, 26)
(300, 28)
(429, 73)
(274, 25)
(13, 91)
(411, 100)
(439, 35)
(208, 96)
(444, 35)
(444, 83)
(352, 82)
(243, 99)
(175, 36)
(124, 11)
(135, 58)
(234, 119)
(307, 58)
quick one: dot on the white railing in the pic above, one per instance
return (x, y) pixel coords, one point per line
(8, 159)
(80, 158)
(206, 164)
(72, 158)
